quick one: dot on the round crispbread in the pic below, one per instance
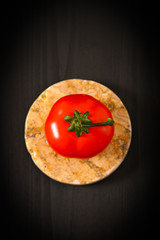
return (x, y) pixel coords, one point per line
(75, 170)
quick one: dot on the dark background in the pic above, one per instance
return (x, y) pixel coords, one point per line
(115, 45)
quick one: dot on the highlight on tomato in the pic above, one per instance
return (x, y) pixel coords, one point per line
(79, 126)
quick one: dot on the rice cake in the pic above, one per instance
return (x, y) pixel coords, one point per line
(75, 170)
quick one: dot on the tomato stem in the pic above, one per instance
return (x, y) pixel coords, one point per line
(109, 122)
(80, 123)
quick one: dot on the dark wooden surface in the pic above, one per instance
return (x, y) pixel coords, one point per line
(115, 46)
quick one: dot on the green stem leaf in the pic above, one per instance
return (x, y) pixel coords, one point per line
(69, 119)
(71, 128)
(76, 114)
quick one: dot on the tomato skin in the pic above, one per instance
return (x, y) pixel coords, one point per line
(67, 143)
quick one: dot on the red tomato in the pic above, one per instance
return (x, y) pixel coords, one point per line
(67, 143)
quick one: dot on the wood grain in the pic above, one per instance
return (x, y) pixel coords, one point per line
(111, 45)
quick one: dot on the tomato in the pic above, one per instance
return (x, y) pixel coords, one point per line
(92, 140)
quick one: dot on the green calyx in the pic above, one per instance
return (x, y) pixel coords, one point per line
(80, 123)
